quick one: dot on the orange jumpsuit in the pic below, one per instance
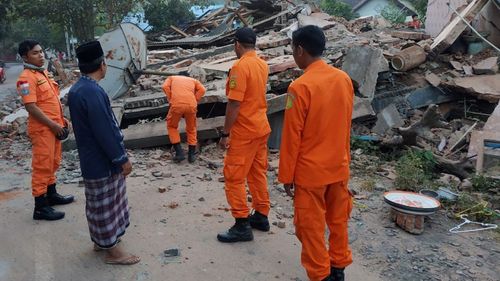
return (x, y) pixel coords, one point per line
(246, 157)
(183, 94)
(36, 87)
(315, 156)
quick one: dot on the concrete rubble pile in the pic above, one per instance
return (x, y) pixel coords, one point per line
(400, 77)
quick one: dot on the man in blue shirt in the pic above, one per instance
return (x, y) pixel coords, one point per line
(103, 159)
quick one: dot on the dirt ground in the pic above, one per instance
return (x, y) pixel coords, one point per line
(193, 209)
(186, 217)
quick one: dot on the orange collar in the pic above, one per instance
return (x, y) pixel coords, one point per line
(249, 54)
(317, 64)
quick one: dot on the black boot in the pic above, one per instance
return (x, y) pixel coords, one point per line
(179, 153)
(54, 198)
(259, 221)
(337, 274)
(44, 212)
(241, 231)
(192, 153)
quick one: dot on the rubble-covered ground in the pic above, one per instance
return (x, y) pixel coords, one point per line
(183, 207)
(416, 128)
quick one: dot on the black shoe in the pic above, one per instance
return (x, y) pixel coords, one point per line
(337, 274)
(44, 212)
(259, 221)
(179, 153)
(192, 153)
(240, 232)
(54, 198)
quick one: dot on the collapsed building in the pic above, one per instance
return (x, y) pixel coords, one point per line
(411, 89)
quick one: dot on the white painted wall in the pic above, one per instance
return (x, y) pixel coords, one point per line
(372, 8)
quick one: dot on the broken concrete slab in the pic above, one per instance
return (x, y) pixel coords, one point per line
(155, 134)
(363, 64)
(433, 79)
(309, 20)
(388, 118)
(281, 64)
(468, 70)
(487, 66)
(410, 35)
(272, 41)
(456, 65)
(157, 104)
(493, 122)
(362, 108)
(218, 68)
(486, 87)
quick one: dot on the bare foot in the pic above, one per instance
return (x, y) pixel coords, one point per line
(117, 256)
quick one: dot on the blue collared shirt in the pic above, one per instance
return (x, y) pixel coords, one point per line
(98, 136)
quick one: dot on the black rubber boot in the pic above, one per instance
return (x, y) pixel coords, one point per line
(192, 153)
(44, 212)
(54, 198)
(179, 153)
(240, 232)
(259, 221)
(337, 274)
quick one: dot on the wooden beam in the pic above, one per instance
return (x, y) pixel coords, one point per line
(243, 20)
(179, 31)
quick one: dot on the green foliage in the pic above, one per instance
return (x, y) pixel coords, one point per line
(475, 208)
(421, 7)
(162, 13)
(483, 183)
(393, 13)
(414, 170)
(338, 8)
(367, 146)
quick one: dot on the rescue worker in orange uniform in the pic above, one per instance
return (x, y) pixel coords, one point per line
(314, 157)
(183, 94)
(46, 128)
(245, 134)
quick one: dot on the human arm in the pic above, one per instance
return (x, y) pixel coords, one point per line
(232, 111)
(199, 90)
(106, 131)
(38, 114)
(235, 87)
(293, 126)
(167, 88)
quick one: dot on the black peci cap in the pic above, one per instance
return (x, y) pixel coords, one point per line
(89, 52)
(245, 35)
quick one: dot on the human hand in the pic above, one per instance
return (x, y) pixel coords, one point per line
(224, 143)
(289, 189)
(57, 129)
(127, 168)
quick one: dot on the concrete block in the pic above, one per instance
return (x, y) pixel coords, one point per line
(387, 119)
(363, 64)
(487, 66)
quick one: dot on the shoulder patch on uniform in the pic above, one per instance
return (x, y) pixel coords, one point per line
(23, 88)
(289, 101)
(232, 82)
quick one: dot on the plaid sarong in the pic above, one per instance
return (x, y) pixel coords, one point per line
(106, 209)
